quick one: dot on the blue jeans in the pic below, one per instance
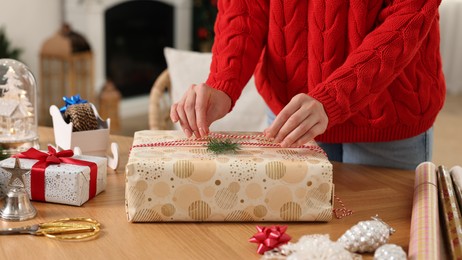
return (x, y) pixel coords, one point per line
(404, 154)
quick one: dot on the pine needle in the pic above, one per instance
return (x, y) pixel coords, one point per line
(3, 155)
(220, 146)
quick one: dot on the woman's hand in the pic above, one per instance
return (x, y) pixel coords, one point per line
(199, 107)
(300, 121)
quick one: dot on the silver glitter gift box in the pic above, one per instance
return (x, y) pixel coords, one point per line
(64, 183)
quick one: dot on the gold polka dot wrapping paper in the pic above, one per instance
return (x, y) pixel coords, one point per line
(257, 183)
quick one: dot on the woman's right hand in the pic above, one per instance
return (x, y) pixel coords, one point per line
(199, 107)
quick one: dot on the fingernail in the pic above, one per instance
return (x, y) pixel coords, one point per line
(187, 132)
(202, 132)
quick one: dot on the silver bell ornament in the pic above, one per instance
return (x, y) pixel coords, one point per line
(390, 251)
(17, 206)
(366, 236)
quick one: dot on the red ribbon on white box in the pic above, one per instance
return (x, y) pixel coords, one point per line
(37, 176)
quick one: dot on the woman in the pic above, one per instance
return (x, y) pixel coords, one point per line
(363, 78)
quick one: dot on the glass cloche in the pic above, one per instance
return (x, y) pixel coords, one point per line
(18, 107)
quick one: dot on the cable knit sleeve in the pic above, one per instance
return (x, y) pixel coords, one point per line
(240, 34)
(379, 59)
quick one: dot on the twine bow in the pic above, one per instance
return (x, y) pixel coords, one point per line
(72, 101)
(269, 238)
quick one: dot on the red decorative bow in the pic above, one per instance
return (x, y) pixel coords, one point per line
(52, 157)
(37, 177)
(268, 238)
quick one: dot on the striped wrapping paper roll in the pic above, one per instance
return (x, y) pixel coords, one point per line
(456, 176)
(450, 213)
(425, 228)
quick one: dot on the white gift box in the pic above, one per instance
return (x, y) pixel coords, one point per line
(64, 183)
(92, 142)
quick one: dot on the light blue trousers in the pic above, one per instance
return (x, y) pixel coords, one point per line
(403, 154)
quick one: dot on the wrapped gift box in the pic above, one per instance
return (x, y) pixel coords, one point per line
(171, 178)
(65, 183)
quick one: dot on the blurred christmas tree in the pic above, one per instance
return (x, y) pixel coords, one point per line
(3, 155)
(205, 13)
(6, 51)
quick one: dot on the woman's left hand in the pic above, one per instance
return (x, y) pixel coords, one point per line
(300, 121)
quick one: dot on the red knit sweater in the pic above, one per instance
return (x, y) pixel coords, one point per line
(375, 65)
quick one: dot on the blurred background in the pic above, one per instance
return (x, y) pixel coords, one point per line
(112, 42)
(112, 50)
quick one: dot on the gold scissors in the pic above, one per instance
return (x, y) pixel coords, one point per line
(70, 229)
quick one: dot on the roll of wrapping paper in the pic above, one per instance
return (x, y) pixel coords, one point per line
(450, 213)
(425, 228)
(456, 176)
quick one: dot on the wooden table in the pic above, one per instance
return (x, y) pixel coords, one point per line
(365, 190)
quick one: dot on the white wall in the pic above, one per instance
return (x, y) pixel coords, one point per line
(451, 42)
(87, 18)
(28, 23)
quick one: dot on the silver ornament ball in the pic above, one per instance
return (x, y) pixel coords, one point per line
(366, 236)
(390, 252)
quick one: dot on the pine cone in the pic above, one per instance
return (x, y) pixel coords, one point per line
(82, 117)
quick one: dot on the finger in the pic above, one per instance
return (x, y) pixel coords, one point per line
(202, 103)
(316, 130)
(187, 131)
(314, 125)
(182, 117)
(173, 113)
(292, 131)
(307, 135)
(273, 129)
(294, 121)
(281, 119)
(189, 107)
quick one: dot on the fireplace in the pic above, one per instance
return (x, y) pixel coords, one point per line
(136, 33)
(88, 17)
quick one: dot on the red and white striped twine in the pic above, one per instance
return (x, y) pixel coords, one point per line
(342, 211)
(264, 142)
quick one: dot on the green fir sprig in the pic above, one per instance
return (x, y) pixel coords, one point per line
(2, 154)
(221, 146)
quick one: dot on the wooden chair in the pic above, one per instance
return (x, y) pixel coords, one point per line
(160, 102)
(186, 68)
